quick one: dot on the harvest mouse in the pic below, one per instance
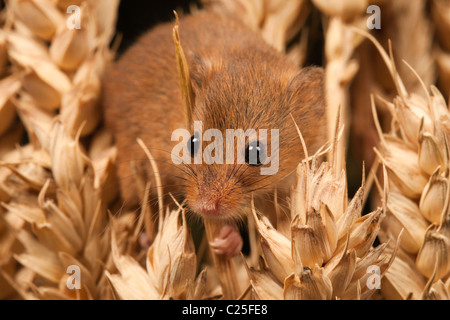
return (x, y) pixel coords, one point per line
(239, 82)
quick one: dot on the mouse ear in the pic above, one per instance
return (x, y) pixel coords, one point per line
(307, 95)
(307, 88)
(199, 68)
(308, 80)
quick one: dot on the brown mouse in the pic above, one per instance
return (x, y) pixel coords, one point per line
(239, 81)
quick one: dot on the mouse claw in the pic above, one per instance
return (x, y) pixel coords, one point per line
(229, 242)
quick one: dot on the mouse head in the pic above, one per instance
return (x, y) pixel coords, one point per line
(242, 138)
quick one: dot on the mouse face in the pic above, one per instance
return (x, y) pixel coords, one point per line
(244, 140)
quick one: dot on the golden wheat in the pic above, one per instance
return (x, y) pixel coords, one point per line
(55, 191)
(53, 212)
(415, 153)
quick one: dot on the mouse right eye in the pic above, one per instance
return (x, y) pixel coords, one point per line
(193, 145)
(255, 153)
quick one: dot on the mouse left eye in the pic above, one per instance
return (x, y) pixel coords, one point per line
(193, 145)
(255, 153)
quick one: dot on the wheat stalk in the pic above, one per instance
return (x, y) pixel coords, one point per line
(53, 191)
(415, 153)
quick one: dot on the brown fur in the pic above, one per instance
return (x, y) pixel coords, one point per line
(239, 81)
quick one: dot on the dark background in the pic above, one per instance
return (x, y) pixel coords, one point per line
(137, 16)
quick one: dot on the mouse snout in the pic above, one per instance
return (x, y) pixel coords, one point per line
(207, 205)
(209, 208)
(214, 194)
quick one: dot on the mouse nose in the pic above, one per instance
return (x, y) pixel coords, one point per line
(209, 208)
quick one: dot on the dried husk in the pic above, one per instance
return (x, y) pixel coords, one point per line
(433, 258)
(278, 22)
(403, 167)
(171, 267)
(329, 251)
(432, 201)
(80, 106)
(403, 281)
(430, 155)
(276, 248)
(40, 16)
(70, 47)
(42, 80)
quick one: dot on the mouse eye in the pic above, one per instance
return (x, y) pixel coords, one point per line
(193, 145)
(255, 153)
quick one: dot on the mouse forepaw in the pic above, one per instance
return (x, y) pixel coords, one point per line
(229, 242)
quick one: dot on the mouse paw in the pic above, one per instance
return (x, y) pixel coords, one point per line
(145, 241)
(228, 243)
